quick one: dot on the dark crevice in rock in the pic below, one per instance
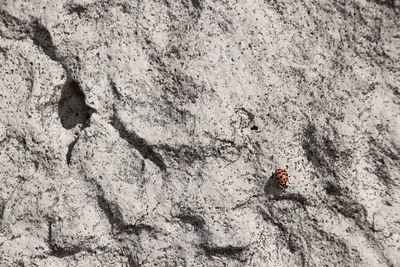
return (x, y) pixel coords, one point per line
(117, 94)
(42, 38)
(226, 251)
(135, 228)
(195, 220)
(61, 252)
(50, 234)
(199, 226)
(247, 202)
(112, 213)
(76, 8)
(72, 107)
(56, 250)
(115, 217)
(138, 143)
(2, 208)
(70, 149)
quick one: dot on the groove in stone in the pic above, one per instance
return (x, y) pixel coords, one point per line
(115, 217)
(70, 149)
(139, 143)
(42, 38)
(227, 251)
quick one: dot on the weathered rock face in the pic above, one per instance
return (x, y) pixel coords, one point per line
(144, 133)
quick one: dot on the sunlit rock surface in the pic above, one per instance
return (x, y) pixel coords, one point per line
(145, 133)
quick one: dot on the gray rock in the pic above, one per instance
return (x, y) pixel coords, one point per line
(145, 133)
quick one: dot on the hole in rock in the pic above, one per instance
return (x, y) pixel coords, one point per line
(72, 108)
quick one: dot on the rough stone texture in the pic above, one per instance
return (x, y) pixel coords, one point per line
(144, 133)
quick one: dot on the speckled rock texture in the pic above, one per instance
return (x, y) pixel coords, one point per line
(145, 133)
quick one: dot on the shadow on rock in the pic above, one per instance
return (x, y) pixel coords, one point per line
(271, 188)
(72, 108)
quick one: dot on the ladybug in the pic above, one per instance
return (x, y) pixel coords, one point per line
(281, 178)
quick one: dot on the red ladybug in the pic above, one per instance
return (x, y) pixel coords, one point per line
(281, 178)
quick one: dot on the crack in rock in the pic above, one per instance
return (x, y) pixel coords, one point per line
(42, 38)
(195, 220)
(226, 251)
(70, 149)
(211, 250)
(140, 144)
(61, 252)
(115, 217)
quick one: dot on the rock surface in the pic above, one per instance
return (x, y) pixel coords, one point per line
(144, 133)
